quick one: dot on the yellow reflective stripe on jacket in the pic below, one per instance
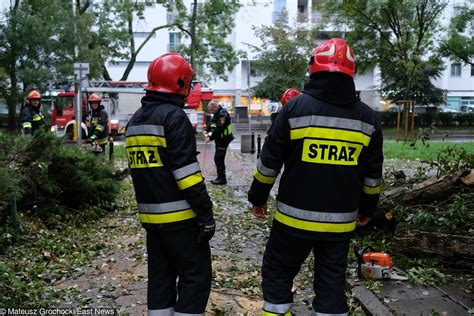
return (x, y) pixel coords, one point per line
(372, 190)
(330, 133)
(315, 226)
(189, 181)
(145, 140)
(228, 130)
(167, 218)
(27, 125)
(100, 128)
(262, 178)
(37, 118)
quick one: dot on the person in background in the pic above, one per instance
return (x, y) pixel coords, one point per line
(99, 122)
(220, 131)
(32, 119)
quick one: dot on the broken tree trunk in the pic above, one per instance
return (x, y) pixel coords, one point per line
(425, 192)
(413, 241)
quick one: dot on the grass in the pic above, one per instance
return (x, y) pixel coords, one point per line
(392, 150)
(425, 152)
(390, 132)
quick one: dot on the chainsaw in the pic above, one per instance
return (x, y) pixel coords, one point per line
(377, 265)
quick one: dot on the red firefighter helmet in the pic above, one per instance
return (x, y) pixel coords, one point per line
(333, 55)
(33, 95)
(170, 73)
(94, 98)
(288, 95)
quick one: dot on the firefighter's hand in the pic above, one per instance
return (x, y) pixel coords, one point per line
(207, 230)
(91, 139)
(362, 221)
(260, 212)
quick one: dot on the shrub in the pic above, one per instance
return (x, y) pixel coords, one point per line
(52, 179)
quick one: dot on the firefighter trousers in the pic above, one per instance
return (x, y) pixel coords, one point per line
(219, 159)
(176, 255)
(282, 260)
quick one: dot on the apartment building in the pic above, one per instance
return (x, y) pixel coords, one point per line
(457, 79)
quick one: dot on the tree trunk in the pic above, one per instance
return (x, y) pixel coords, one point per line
(426, 191)
(12, 98)
(133, 53)
(105, 73)
(413, 241)
(193, 36)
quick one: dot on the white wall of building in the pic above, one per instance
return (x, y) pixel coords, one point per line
(255, 13)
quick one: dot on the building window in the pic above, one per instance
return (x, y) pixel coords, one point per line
(175, 42)
(472, 70)
(455, 70)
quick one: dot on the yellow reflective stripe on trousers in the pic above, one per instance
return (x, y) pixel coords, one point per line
(166, 218)
(372, 190)
(330, 133)
(189, 181)
(145, 140)
(103, 141)
(27, 125)
(262, 178)
(315, 226)
(265, 313)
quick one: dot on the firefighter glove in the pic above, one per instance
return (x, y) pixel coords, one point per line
(92, 139)
(207, 230)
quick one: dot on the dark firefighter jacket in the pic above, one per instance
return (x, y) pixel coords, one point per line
(161, 148)
(99, 125)
(221, 127)
(331, 146)
(32, 119)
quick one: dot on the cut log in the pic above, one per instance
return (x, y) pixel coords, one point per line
(416, 242)
(427, 191)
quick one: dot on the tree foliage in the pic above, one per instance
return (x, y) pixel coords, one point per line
(207, 27)
(49, 178)
(399, 37)
(459, 44)
(282, 58)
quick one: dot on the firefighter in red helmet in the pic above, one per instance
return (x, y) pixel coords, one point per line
(285, 97)
(331, 145)
(31, 117)
(288, 95)
(99, 122)
(173, 204)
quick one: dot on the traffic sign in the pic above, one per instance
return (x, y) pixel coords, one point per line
(81, 70)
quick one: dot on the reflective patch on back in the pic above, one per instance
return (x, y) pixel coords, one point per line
(331, 152)
(143, 157)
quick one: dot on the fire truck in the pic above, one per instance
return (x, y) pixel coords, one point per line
(120, 99)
